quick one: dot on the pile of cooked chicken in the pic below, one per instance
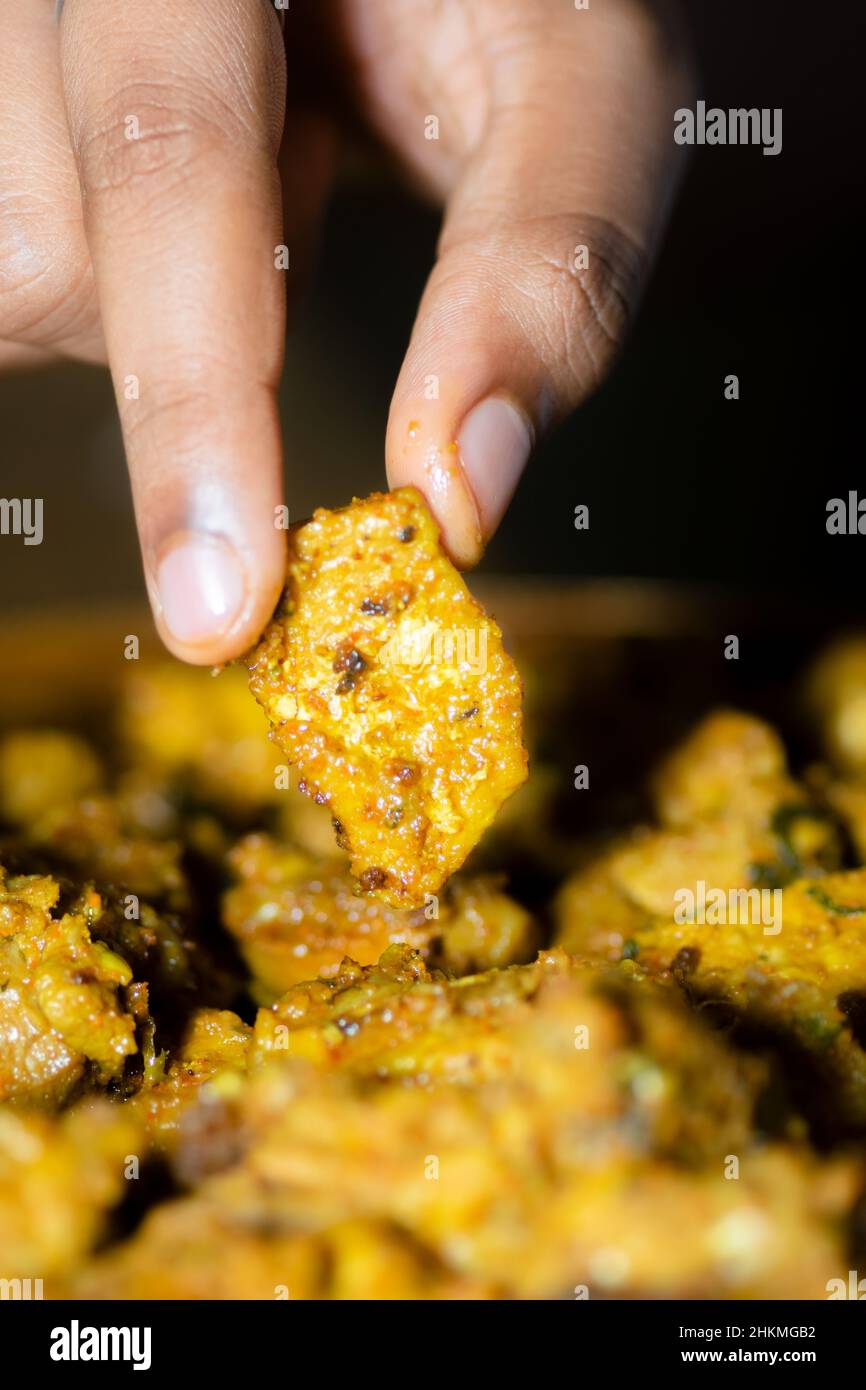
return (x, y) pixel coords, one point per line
(225, 1072)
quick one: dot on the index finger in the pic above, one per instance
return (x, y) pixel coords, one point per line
(175, 111)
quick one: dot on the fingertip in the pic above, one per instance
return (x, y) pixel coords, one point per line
(434, 469)
(467, 470)
(209, 603)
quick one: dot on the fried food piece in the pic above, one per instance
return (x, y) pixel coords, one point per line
(846, 799)
(91, 839)
(231, 1242)
(59, 1179)
(388, 686)
(62, 1006)
(800, 978)
(806, 985)
(215, 1045)
(183, 766)
(201, 733)
(396, 1021)
(836, 693)
(43, 768)
(730, 781)
(86, 981)
(600, 1166)
(296, 917)
(732, 817)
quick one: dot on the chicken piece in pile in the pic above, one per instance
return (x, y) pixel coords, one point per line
(389, 687)
(391, 1093)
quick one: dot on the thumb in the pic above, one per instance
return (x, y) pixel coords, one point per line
(545, 246)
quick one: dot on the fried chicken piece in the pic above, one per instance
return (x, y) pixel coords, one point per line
(214, 1047)
(86, 981)
(62, 1007)
(800, 975)
(296, 917)
(729, 782)
(599, 1166)
(230, 1242)
(806, 986)
(59, 1180)
(395, 1022)
(388, 686)
(92, 839)
(836, 694)
(199, 732)
(731, 816)
(41, 769)
(184, 766)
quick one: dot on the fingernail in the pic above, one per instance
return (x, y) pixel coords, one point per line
(494, 443)
(201, 587)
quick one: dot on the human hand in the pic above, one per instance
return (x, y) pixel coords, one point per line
(150, 164)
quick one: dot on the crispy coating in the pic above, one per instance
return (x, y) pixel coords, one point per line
(62, 1007)
(86, 982)
(296, 917)
(41, 769)
(273, 1255)
(215, 1045)
(413, 1114)
(92, 839)
(807, 984)
(553, 1173)
(59, 1179)
(224, 759)
(397, 1021)
(802, 981)
(389, 687)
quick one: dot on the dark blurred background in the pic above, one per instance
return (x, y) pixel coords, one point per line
(760, 276)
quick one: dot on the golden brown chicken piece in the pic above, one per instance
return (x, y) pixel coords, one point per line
(389, 687)
(62, 1004)
(212, 1053)
(223, 758)
(296, 917)
(597, 1161)
(41, 769)
(704, 901)
(229, 1241)
(836, 694)
(87, 980)
(396, 1021)
(92, 839)
(732, 817)
(59, 1179)
(805, 984)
